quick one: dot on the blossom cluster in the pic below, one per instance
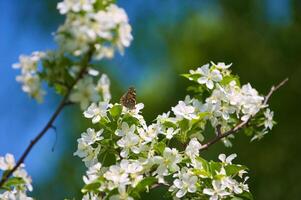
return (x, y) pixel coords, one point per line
(86, 25)
(93, 29)
(29, 78)
(227, 102)
(125, 156)
(17, 186)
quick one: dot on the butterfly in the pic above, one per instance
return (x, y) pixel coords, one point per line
(129, 98)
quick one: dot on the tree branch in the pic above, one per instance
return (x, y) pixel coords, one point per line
(274, 89)
(84, 64)
(242, 124)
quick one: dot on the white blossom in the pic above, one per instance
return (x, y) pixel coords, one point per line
(84, 93)
(209, 76)
(75, 6)
(29, 64)
(96, 112)
(134, 169)
(259, 135)
(14, 195)
(117, 176)
(103, 85)
(84, 148)
(90, 136)
(268, 122)
(170, 132)
(125, 129)
(93, 72)
(217, 192)
(225, 159)
(7, 162)
(22, 173)
(167, 162)
(129, 140)
(122, 195)
(184, 111)
(193, 148)
(150, 133)
(185, 182)
(90, 196)
(251, 102)
(221, 65)
(243, 185)
(17, 192)
(164, 117)
(110, 26)
(125, 37)
(29, 78)
(232, 185)
(102, 51)
(135, 112)
(93, 173)
(124, 173)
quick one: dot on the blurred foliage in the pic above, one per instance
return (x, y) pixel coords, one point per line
(231, 31)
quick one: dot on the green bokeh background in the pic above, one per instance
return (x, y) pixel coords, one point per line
(174, 36)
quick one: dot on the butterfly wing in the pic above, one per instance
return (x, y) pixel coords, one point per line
(129, 99)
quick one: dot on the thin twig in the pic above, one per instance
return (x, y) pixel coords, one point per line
(274, 89)
(84, 64)
(242, 123)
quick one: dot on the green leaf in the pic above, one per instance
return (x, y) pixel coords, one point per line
(101, 5)
(197, 127)
(142, 186)
(115, 111)
(5, 173)
(205, 164)
(92, 187)
(236, 198)
(249, 131)
(60, 89)
(107, 158)
(130, 120)
(199, 136)
(193, 88)
(14, 181)
(215, 167)
(191, 77)
(201, 172)
(111, 193)
(245, 196)
(160, 147)
(227, 79)
(234, 169)
(184, 124)
(169, 124)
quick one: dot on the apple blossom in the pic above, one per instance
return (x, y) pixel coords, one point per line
(209, 76)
